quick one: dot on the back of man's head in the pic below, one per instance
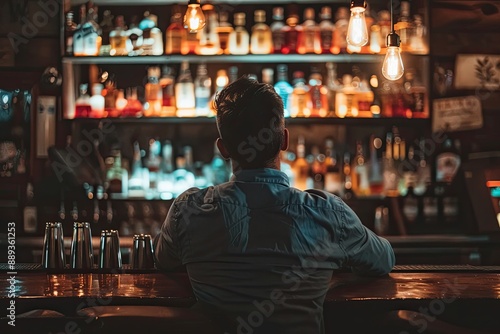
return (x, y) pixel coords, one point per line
(251, 123)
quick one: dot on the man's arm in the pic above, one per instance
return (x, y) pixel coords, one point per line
(167, 252)
(367, 253)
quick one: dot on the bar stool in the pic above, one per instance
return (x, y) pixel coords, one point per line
(147, 319)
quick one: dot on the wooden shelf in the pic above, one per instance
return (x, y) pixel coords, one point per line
(250, 58)
(289, 121)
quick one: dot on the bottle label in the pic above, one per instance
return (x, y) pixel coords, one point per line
(175, 40)
(278, 40)
(326, 39)
(309, 40)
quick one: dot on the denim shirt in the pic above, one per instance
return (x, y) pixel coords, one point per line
(262, 253)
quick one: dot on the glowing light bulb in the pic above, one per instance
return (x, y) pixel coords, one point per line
(393, 68)
(194, 19)
(357, 32)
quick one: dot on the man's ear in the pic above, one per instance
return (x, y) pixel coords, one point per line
(286, 138)
(222, 149)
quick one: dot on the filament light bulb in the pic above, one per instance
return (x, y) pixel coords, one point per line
(194, 19)
(357, 32)
(393, 68)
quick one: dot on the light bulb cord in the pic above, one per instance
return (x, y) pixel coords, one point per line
(392, 17)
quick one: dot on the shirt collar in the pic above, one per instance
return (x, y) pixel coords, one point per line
(264, 175)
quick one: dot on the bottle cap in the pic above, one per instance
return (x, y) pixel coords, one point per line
(239, 19)
(326, 13)
(282, 68)
(154, 72)
(309, 14)
(278, 13)
(260, 16)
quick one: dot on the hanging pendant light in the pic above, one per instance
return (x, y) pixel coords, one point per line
(194, 19)
(393, 67)
(357, 32)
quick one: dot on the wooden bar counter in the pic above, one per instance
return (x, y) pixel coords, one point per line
(468, 298)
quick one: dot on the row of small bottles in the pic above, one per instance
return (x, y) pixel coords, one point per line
(353, 95)
(398, 169)
(220, 37)
(159, 174)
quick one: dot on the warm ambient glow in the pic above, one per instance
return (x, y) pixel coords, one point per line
(393, 68)
(194, 19)
(357, 32)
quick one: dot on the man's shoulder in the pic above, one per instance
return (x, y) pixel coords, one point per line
(323, 199)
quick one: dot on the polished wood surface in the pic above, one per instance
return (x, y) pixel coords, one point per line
(460, 300)
(174, 288)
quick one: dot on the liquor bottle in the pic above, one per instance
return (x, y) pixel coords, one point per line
(221, 81)
(326, 28)
(409, 174)
(375, 39)
(118, 38)
(423, 171)
(78, 34)
(309, 39)
(182, 178)
(347, 192)
(291, 30)
(167, 162)
(188, 155)
(218, 166)
(417, 92)
(133, 108)
(209, 40)
(137, 183)
(120, 103)
(403, 27)
(176, 34)
(300, 166)
(447, 162)
(109, 92)
(91, 34)
(390, 171)
(69, 29)
(268, 76)
(365, 97)
(340, 32)
(261, 41)
(346, 102)
(107, 27)
(360, 179)
(375, 107)
(202, 91)
(117, 176)
(30, 212)
(370, 21)
(333, 180)
(283, 88)
(277, 29)
(418, 43)
(82, 104)
(167, 83)
(410, 206)
(233, 74)
(375, 169)
(223, 32)
(318, 99)
(165, 183)
(184, 92)
(239, 39)
(318, 168)
(152, 163)
(152, 35)
(135, 38)
(97, 102)
(153, 93)
(300, 96)
(333, 86)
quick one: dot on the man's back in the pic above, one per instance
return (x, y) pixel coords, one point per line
(261, 253)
